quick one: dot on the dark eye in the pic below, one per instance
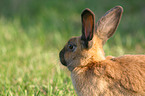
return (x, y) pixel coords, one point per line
(71, 47)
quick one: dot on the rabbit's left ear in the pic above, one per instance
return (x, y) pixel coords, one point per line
(107, 25)
(88, 25)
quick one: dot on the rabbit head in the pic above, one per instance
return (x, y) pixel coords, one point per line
(79, 51)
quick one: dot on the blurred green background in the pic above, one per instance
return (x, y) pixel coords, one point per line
(32, 32)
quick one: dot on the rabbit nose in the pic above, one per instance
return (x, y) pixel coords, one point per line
(61, 56)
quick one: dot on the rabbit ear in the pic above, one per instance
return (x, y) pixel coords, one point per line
(88, 20)
(107, 25)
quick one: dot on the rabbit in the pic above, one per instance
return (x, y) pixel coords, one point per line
(92, 73)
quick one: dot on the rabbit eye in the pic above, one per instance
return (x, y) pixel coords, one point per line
(71, 47)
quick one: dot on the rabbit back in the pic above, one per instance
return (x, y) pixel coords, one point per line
(132, 72)
(120, 76)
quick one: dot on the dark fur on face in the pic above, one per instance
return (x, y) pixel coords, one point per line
(61, 55)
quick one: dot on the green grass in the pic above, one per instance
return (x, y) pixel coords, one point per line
(27, 68)
(32, 34)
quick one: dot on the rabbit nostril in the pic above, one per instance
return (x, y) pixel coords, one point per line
(61, 56)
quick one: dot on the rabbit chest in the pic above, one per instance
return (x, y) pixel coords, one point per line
(88, 83)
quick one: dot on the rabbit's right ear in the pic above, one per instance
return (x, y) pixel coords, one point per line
(107, 25)
(88, 19)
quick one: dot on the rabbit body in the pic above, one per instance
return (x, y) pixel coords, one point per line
(92, 73)
(121, 76)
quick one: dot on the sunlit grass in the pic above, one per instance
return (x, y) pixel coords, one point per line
(29, 66)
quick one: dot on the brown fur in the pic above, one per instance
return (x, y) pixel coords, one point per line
(121, 76)
(94, 75)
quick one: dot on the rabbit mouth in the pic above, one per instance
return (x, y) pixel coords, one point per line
(61, 56)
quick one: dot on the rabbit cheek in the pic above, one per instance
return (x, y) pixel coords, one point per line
(61, 56)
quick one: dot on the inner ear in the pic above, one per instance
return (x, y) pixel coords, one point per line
(87, 25)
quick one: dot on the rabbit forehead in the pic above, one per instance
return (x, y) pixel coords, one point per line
(73, 40)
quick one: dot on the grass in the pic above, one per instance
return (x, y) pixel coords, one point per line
(27, 68)
(33, 33)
